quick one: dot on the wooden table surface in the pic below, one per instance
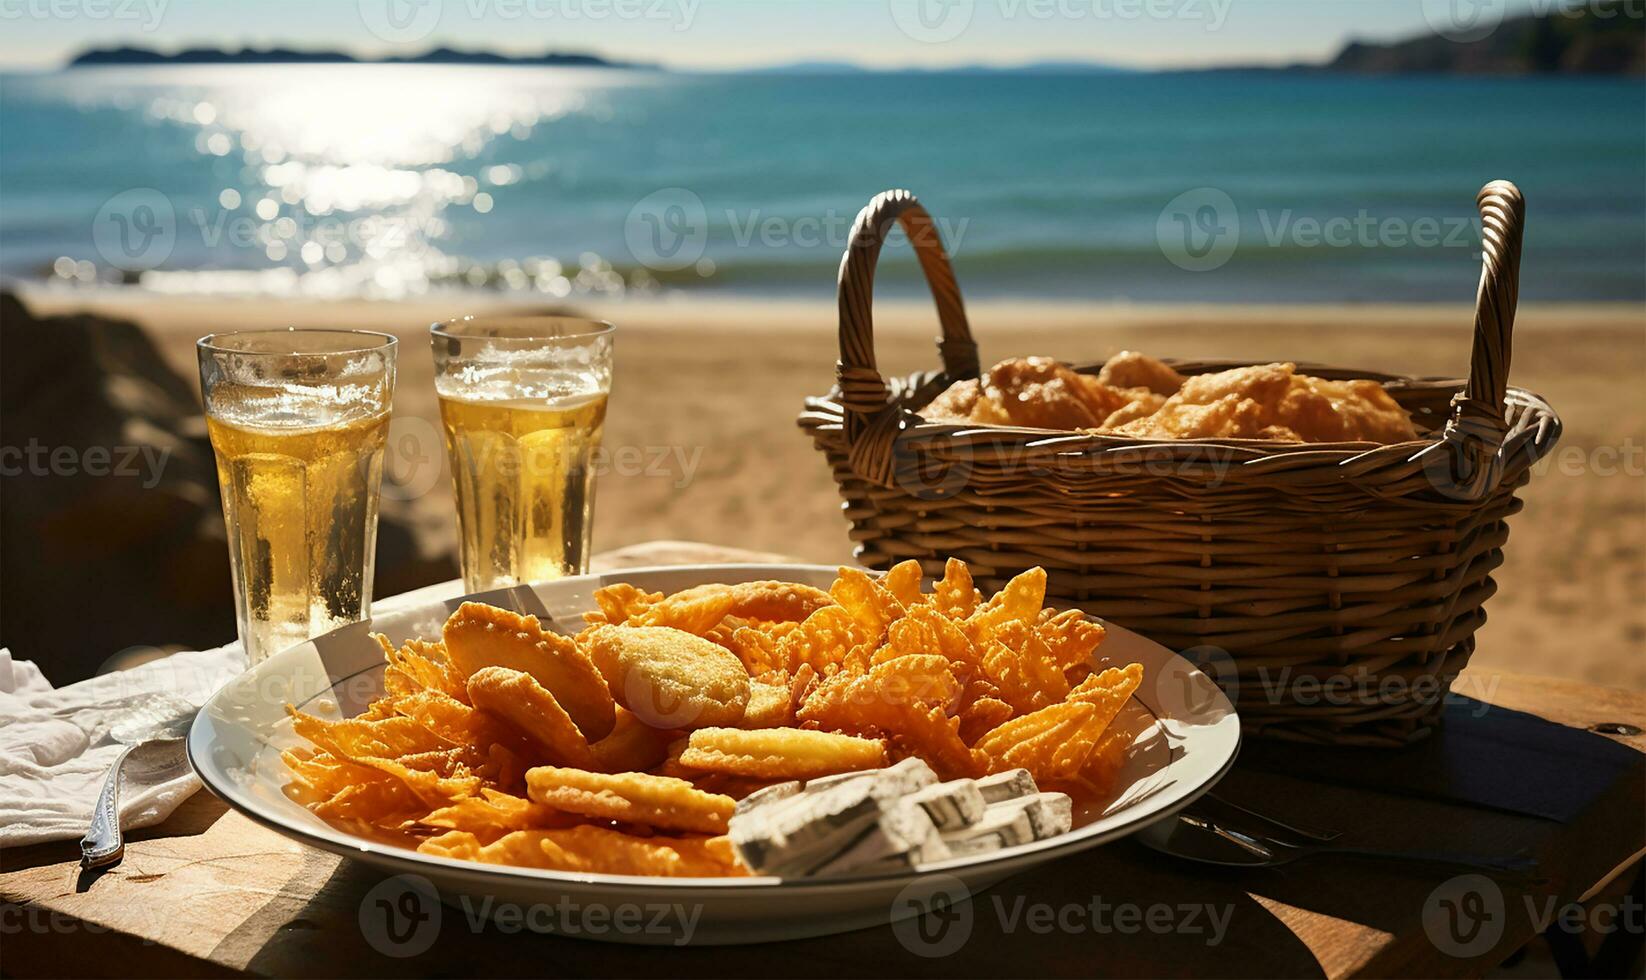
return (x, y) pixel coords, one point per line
(210, 893)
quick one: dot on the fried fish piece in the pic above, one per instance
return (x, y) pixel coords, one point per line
(670, 678)
(479, 636)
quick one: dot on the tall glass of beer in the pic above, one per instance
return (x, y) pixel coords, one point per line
(297, 420)
(523, 400)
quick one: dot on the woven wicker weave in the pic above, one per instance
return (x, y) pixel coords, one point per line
(1333, 589)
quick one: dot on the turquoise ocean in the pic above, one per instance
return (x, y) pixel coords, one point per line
(372, 180)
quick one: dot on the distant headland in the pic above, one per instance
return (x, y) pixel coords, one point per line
(97, 57)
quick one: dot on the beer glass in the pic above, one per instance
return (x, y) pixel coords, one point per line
(298, 420)
(523, 402)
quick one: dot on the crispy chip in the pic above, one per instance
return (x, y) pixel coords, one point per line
(479, 636)
(955, 596)
(515, 697)
(493, 814)
(621, 602)
(1020, 600)
(631, 797)
(780, 753)
(757, 649)
(1043, 742)
(1071, 638)
(1108, 691)
(981, 716)
(1022, 668)
(821, 641)
(902, 580)
(869, 605)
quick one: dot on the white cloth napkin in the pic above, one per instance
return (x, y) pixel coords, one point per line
(55, 749)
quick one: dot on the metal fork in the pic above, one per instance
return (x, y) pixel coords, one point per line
(1198, 838)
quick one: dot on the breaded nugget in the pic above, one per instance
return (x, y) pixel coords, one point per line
(479, 636)
(670, 678)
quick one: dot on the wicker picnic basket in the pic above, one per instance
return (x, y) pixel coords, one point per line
(1333, 589)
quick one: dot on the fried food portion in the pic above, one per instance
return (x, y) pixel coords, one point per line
(1142, 397)
(478, 636)
(780, 753)
(472, 752)
(671, 678)
(1273, 401)
(630, 797)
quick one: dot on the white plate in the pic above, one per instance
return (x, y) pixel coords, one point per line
(1187, 738)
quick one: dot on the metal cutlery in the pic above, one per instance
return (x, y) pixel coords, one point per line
(155, 726)
(1195, 837)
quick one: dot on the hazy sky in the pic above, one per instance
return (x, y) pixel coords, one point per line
(736, 33)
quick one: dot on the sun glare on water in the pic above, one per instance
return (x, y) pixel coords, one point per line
(351, 173)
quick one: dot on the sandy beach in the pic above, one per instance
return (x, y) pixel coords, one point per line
(702, 444)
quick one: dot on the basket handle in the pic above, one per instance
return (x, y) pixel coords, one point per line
(870, 427)
(1502, 217)
(1475, 433)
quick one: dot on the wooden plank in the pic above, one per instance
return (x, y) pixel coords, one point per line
(209, 892)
